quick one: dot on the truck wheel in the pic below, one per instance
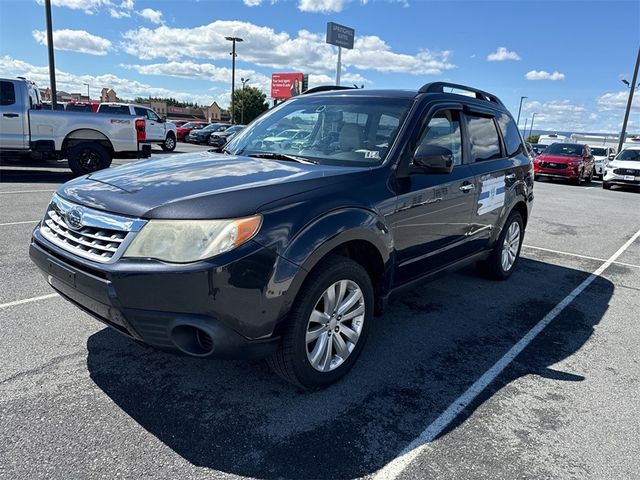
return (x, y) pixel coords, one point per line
(88, 157)
(169, 144)
(327, 326)
(506, 252)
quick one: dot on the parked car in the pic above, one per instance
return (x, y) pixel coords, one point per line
(82, 107)
(290, 254)
(49, 106)
(178, 123)
(202, 135)
(538, 148)
(158, 130)
(218, 139)
(88, 141)
(624, 169)
(183, 131)
(285, 137)
(568, 161)
(601, 157)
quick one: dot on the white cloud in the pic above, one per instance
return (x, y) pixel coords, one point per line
(252, 3)
(502, 54)
(265, 47)
(618, 101)
(123, 10)
(87, 6)
(542, 75)
(124, 87)
(75, 41)
(321, 6)
(154, 16)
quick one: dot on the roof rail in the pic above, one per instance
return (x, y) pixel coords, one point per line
(438, 87)
(327, 88)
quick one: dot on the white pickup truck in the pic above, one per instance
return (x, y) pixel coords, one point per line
(88, 141)
(158, 129)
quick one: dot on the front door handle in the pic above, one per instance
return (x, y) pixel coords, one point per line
(10, 115)
(467, 187)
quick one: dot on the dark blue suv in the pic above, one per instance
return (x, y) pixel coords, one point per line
(287, 247)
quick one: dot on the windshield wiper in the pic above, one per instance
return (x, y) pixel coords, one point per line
(281, 156)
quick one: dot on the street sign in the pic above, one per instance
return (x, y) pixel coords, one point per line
(339, 35)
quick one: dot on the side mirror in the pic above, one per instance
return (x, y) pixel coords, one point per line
(433, 159)
(612, 156)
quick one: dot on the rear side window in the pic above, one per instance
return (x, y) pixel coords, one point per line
(510, 135)
(140, 111)
(114, 109)
(484, 142)
(7, 93)
(443, 130)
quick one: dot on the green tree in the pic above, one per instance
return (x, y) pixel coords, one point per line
(533, 138)
(248, 103)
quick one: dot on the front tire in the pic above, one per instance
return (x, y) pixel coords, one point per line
(169, 144)
(506, 252)
(88, 157)
(327, 326)
(606, 185)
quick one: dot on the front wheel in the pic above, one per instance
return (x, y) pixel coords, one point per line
(506, 252)
(327, 326)
(169, 144)
(606, 185)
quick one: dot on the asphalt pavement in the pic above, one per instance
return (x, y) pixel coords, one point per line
(439, 391)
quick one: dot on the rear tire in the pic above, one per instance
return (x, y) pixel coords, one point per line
(169, 144)
(309, 326)
(606, 185)
(509, 243)
(88, 157)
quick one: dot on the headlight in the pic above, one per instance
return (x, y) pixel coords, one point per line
(182, 241)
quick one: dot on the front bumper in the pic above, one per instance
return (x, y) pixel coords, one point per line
(615, 179)
(565, 173)
(151, 301)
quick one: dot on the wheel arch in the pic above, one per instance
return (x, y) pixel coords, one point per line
(85, 135)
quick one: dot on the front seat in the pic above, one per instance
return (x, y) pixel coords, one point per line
(350, 137)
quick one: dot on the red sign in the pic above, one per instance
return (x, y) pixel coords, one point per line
(177, 110)
(286, 85)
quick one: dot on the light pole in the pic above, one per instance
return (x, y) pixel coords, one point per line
(88, 94)
(526, 121)
(52, 65)
(519, 110)
(531, 127)
(233, 72)
(244, 83)
(632, 88)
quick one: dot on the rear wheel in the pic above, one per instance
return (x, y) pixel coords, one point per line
(88, 157)
(506, 252)
(327, 326)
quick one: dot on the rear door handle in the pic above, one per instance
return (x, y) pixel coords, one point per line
(10, 115)
(467, 187)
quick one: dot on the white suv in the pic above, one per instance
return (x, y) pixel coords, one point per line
(158, 129)
(601, 156)
(624, 169)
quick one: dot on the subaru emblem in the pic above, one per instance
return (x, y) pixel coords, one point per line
(74, 218)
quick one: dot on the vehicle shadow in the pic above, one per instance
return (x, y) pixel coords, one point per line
(428, 348)
(42, 174)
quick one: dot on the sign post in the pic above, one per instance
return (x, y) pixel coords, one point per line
(340, 36)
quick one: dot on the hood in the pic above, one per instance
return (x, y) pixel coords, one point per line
(199, 185)
(543, 157)
(629, 164)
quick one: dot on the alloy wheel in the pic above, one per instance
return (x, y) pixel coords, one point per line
(510, 246)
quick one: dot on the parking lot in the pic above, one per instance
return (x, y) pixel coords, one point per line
(453, 383)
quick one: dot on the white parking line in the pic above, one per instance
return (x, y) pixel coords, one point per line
(394, 468)
(578, 255)
(27, 300)
(26, 191)
(18, 223)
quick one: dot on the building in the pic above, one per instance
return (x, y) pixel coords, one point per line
(108, 95)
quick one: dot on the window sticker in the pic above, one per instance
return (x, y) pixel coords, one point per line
(492, 195)
(372, 154)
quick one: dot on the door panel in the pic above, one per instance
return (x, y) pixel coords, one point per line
(12, 121)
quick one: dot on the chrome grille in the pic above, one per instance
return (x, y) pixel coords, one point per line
(85, 232)
(557, 166)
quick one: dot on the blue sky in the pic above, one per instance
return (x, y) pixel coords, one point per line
(567, 57)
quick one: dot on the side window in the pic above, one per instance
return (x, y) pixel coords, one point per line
(484, 142)
(510, 134)
(443, 130)
(140, 111)
(7, 93)
(151, 115)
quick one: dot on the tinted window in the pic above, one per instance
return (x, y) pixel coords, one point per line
(629, 156)
(599, 152)
(7, 93)
(483, 138)
(151, 115)
(510, 134)
(114, 109)
(443, 130)
(78, 107)
(140, 111)
(566, 150)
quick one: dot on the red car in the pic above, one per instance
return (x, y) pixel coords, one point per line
(569, 161)
(183, 131)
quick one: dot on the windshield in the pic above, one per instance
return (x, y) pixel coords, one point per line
(333, 130)
(565, 149)
(629, 156)
(215, 127)
(598, 152)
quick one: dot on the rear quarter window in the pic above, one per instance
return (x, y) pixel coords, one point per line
(510, 134)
